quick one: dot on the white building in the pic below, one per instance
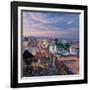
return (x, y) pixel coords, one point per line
(74, 49)
(52, 48)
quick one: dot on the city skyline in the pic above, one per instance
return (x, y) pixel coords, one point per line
(51, 24)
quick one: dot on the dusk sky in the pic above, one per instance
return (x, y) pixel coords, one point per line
(51, 24)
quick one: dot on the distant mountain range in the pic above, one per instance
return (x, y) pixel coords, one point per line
(51, 38)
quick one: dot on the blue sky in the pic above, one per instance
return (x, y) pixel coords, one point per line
(51, 24)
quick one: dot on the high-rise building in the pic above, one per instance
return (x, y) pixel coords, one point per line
(52, 48)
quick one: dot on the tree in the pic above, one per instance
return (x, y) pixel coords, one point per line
(63, 45)
(67, 46)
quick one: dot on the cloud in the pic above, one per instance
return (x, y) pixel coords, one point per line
(39, 18)
(74, 30)
(44, 33)
(44, 18)
(70, 22)
(52, 33)
(49, 25)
